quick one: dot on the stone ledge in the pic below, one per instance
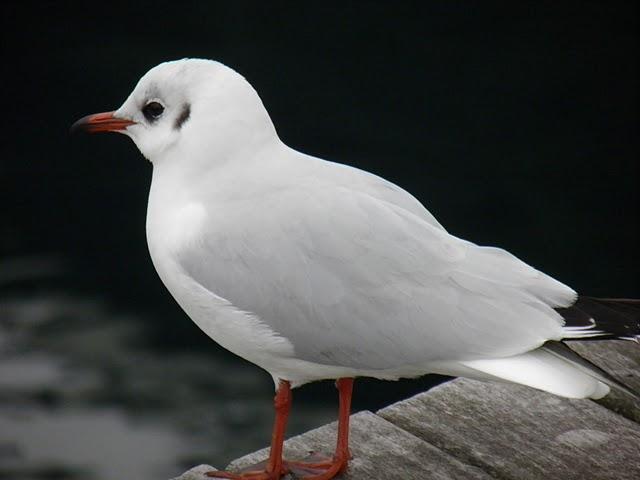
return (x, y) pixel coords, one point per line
(514, 432)
(466, 429)
(380, 450)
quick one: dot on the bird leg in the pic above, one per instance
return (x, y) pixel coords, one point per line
(274, 468)
(317, 468)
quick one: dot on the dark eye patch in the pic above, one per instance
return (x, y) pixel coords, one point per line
(183, 117)
(152, 111)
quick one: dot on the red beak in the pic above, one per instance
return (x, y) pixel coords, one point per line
(101, 122)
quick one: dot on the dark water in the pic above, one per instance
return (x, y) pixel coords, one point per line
(85, 394)
(89, 389)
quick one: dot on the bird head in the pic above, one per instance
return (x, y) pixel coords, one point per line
(188, 109)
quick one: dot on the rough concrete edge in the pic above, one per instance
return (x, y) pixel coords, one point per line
(196, 473)
(617, 403)
(628, 353)
(462, 383)
(260, 455)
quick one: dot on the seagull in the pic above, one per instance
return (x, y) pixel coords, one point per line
(315, 270)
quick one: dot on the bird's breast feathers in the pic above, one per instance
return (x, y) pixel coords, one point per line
(175, 237)
(176, 229)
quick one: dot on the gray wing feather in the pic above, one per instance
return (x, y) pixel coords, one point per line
(353, 279)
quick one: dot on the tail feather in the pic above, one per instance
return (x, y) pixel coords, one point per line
(544, 370)
(560, 350)
(554, 368)
(602, 318)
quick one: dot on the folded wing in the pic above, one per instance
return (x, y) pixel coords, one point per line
(356, 281)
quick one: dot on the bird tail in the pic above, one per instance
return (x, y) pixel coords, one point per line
(562, 351)
(557, 369)
(548, 368)
(602, 318)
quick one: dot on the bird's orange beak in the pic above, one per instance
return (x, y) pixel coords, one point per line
(101, 122)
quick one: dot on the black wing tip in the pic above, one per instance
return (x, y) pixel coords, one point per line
(591, 318)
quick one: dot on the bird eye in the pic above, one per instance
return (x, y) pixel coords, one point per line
(152, 110)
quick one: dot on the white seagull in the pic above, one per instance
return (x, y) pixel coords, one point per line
(315, 270)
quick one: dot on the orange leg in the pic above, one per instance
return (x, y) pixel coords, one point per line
(274, 468)
(326, 469)
(317, 469)
(282, 404)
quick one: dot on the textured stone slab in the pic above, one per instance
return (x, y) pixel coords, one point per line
(380, 451)
(466, 429)
(622, 360)
(196, 473)
(514, 432)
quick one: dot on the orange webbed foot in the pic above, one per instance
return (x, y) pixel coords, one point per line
(317, 467)
(253, 472)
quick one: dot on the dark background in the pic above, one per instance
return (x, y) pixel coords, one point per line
(515, 123)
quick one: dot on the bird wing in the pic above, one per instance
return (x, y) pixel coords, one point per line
(368, 183)
(353, 280)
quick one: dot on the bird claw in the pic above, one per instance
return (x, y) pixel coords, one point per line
(314, 467)
(249, 474)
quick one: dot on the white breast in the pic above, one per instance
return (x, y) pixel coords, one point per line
(175, 230)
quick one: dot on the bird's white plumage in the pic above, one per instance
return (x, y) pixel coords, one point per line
(315, 270)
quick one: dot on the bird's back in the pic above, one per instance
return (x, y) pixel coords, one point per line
(354, 272)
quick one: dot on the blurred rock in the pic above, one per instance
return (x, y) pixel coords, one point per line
(196, 473)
